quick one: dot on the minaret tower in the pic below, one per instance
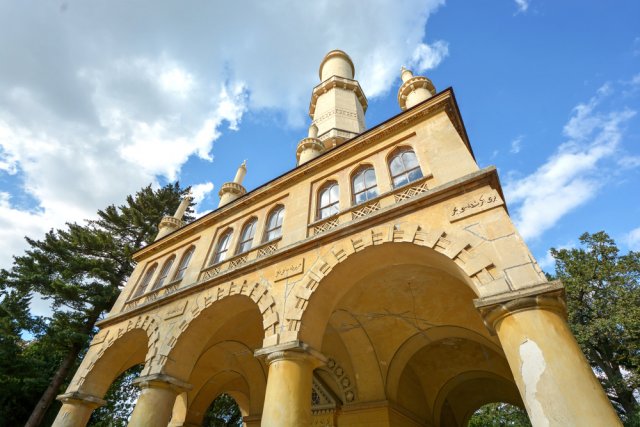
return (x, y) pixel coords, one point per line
(337, 104)
(414, 90)
(310, 147)
(232, 190)
(172, 223)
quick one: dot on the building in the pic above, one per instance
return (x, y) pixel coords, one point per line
(379, 283)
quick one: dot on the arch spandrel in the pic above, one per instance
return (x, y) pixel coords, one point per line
(460, 253)
(208, 312)
(114, 350)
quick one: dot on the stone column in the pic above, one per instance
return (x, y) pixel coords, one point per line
(155, 404)
(76, 409)
(287, 400)
(554, 378)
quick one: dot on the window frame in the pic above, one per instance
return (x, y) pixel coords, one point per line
(398, 153)
(184, 263)
(362, 171)
(215, 259)
(164, 273)
(327, 187)
(277, 210)
(251, 222)
(145, 280)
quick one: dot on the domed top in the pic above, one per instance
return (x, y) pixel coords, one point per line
(336, 63)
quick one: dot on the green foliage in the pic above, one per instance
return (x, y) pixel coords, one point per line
(81, 270)
(121, 398)
(223, 412)
(603, 299)
(499, 415)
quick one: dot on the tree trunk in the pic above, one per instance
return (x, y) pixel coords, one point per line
(49, 395)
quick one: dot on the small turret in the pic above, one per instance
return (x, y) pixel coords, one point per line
(232, 190)
(309, 147)
(169, 224)
(414, 90)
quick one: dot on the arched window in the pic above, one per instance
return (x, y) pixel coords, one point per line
(222, 247)
(328, 200)
(164, 272)
(274, 224)
(184, 263)
(145, 280)
(404, 167)
(246, 237)
(364, 185)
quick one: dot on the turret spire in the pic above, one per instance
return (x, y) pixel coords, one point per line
(414, 89)
(232, 190)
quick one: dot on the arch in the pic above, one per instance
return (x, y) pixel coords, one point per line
(218, 299)
(496, 388)
(456, 254)
(273, 225)
(247, 234)
(115, 350)
(364, 184)
(404, 166)
(328, 200)
(420, 340)
(221, 249)
(184, 263)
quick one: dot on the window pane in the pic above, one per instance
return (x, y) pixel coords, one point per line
(223, 246)
(370, 178)
(360, 197)
(410, 160)
(415, 174)
(184, 263)
(371, 193)
(334, 193)
(325, 197)
(400, 180)
(396, 166)
(358, 182)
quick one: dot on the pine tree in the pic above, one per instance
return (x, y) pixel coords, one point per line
(81, 270)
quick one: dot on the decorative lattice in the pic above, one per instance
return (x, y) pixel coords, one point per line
(153, 296)
(410, 192)
(238, 262)
(325, 226)
(171, 288)
(267, 250)
(365, 210)
(132, 304)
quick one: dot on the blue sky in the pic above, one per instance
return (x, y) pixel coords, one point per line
(97, 101)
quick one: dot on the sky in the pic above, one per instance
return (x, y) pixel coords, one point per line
(98, 99)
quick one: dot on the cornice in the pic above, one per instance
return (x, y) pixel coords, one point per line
(443, 101)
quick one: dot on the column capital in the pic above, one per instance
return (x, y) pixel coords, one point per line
(546, 296)
(76, 397)
(294, 350)
(162, 381)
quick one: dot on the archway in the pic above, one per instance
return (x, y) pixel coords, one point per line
(398, 323)
(214, 354)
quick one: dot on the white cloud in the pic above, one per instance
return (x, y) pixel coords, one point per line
(574, 173)
(632, 239)
(199, 192)
(426, 57)
(522, 5)
(97, 100)
(516, 144)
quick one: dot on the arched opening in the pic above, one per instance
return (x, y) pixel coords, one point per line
(223, 412)
(499, 414)
(398, 325)
(215, 355)
(121, 398)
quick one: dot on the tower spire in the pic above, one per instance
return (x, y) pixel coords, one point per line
(414, 89)
(338, 103)
(232, 190)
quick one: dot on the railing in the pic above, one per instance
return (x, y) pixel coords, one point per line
(238, 261)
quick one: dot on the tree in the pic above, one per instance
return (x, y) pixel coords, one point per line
(499, 415)
(121, 398)
(603, 301)
(223, 412)
(81, 269)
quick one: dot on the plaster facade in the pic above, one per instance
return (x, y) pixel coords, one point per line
(410, 303)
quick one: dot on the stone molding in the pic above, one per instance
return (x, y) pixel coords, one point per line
(294, 350)
(546, 296)
(412, 84)
(233, 188)
(75, 397)
(162, 381)
(340, 83)
(171, 222)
